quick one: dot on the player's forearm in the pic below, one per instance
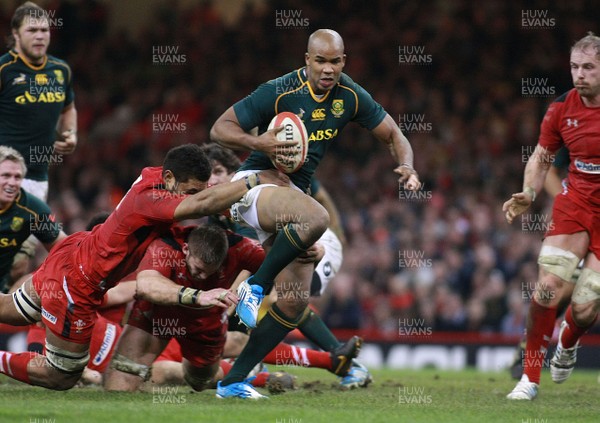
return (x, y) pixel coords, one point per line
(211, 201)
(401, 149)
(536, 171)
(157, 289)
(67, 122)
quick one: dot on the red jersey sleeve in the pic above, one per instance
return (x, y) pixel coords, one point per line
(550, 137)
(157, 204)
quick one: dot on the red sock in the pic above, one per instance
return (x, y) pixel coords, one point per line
(36, 335)
(15, 365)
(572, 331)
(225, 366)
(539, 332)
(290, 355)
(261, 379)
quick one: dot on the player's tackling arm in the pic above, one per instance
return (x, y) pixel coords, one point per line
(219, 197)
(154, 287)
(227, 132)
(533, 182)
(389, 133)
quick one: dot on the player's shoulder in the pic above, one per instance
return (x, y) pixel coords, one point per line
(31, 203)
(57, 62)
(564, 96)
(7, 61)
(348, 86)
(8, 57)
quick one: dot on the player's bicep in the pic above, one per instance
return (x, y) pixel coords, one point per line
(387, 130)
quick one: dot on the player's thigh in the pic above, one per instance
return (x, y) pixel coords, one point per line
(277, 206)
(577, 243)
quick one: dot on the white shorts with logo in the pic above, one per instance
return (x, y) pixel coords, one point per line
(245, 210)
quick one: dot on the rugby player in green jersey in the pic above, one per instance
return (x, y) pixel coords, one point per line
(37, 105)
(326, 256)
(287, 220)
(21, 214)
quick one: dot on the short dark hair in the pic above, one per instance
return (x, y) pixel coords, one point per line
(187, 162)
(97, 219)
(224, 156)
(26, 9)
(208, 243)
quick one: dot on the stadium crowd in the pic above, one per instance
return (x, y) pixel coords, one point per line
(445, 257)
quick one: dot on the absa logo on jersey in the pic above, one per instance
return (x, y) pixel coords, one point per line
(323, 135)
(48, 97)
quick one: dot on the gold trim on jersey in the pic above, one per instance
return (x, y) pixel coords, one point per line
(355, 97)
(286, 93)
(32, 66)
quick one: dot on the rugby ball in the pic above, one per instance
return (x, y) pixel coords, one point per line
(289, 159)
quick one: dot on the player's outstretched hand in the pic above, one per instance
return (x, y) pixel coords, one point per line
(66, 143)
(273, 176)
(217, 297)
(516, 206)
(408, 177)
(268, 143)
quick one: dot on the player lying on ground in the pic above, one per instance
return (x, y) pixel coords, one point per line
(171, 275)
(70, 285)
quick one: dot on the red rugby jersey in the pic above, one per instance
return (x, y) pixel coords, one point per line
(113, 249)
(568, 121)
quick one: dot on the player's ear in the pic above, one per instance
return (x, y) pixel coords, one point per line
(306, 58)
(343, 60)
(185, 249)
(169, 178)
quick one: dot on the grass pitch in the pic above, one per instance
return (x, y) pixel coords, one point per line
(396, 396)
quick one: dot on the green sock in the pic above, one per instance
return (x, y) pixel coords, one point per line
(270, 331)
(317, 332)
(286, 247)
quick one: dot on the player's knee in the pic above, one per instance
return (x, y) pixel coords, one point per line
(584, 314)
(200, 382)
(558, 262)
(62, 382)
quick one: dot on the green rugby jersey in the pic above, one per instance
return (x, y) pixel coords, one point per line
(31, 101)
(27, 215)
(323, 117)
